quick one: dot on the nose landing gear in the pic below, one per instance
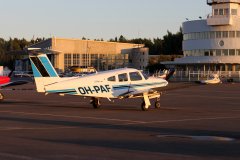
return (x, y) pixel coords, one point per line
(146, 100)
(95, 102)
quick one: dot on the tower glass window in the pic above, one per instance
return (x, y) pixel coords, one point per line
(234, 11)
(218, 34)
(221, 12)
(231, 34)
(216, 12)
(225, 34)
(232, 52)
(226, 11)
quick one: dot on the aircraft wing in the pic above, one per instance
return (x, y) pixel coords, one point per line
(138, 93)
(14, 83)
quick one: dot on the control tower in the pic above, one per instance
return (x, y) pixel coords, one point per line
(212, 43)
(224, 12)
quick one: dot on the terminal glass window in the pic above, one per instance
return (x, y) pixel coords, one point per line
(211, 53)
(67, 60)
(216, 12)
(225, 34)
(218, 52)
(238, 52)
(212, 35)
(123, 77)
(232, 52)
(76, 59)
(226, 11)
(230, 67)
(221, 12)
(135, 76)
(225, 52)
(238, 34)
(237, 67)
(206, 35)
(231, 34)
(218, 34)
(206, 53)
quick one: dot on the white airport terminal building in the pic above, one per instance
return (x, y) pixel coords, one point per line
(212, 43)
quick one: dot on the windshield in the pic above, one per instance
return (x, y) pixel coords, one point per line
(145, 75)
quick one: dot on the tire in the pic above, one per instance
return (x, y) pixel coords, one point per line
(157, 105)
(143, 106)
(1, 97)
(95, 103)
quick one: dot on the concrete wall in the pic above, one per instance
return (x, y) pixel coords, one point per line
(201, 26)
(139, 58)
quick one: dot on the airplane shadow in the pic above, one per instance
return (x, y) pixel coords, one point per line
(180, 146)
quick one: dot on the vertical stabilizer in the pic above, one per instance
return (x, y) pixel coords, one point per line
(43, 71)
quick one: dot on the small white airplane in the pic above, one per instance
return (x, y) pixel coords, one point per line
(167, 74)
(214, 79)
(118, 83)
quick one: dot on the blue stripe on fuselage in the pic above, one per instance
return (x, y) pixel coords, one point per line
(119, 87)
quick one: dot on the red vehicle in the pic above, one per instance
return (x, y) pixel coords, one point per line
(5, 81)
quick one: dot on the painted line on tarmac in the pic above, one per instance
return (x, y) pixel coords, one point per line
(185, 120)
(15, 156)
(33, 128)
(76, 117)
(202, 96)
(126, 122)
(47, 102)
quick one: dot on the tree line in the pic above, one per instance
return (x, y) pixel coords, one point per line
(170, 44)
(15, 44)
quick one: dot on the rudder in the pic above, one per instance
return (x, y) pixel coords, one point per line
(43, 71)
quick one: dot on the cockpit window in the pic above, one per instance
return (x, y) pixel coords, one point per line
(123, 77)
(145, 76)
(112, 79)
(135, 76)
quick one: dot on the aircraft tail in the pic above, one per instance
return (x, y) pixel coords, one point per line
(43, 71)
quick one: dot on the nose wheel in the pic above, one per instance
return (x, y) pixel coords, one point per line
(95, 102)
(1, 97)
(146, 101)
(157, 103)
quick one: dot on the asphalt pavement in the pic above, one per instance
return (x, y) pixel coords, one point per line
(194, 122)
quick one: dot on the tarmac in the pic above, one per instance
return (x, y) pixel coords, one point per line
(194, 122)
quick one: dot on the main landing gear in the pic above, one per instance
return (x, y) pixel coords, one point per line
(146, 101)
(95, 102)
(1, 97)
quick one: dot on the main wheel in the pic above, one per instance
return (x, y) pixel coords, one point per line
(95, 103)
(144, 107)
(157, 104)
(1, 97)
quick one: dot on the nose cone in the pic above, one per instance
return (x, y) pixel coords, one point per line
(165, 82)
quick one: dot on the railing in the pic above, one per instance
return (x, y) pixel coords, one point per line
(191, 76)
(19, 73)
(222, 1)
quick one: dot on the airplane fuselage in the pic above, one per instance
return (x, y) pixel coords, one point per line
(110, 84)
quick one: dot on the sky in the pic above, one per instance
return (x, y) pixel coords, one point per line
(96, 19)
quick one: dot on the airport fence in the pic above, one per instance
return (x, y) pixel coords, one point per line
(191, 76)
